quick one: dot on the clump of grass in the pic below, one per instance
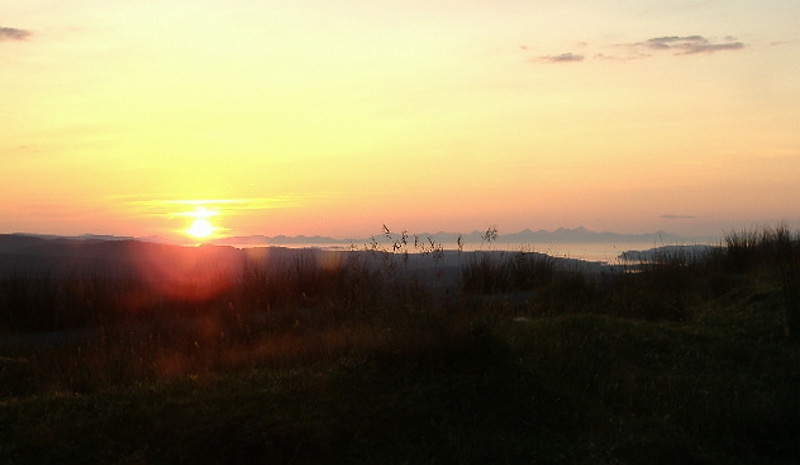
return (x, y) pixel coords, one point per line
(570, 291)
(772, 255)
(787, 250)
(496, 272)
(743, 250)
(659, 288)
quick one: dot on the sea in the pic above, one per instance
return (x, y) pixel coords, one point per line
(604, 252)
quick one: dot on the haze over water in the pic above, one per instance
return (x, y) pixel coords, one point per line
(599, 252)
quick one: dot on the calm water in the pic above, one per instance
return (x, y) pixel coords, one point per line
(599, 252)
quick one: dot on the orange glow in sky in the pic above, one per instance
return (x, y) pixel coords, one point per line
(334, 118)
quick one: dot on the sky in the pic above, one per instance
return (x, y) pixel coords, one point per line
(334, 118)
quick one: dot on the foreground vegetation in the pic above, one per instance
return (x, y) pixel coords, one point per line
(680, 359)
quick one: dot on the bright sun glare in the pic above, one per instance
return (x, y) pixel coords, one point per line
(200, 228)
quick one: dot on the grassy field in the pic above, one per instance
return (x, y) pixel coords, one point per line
(682, 359)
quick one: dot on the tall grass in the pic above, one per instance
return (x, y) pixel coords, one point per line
(488, 272)
(384, 278)
(771, 255)
(353, 358)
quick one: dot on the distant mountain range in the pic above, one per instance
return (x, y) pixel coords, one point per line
(578, 235)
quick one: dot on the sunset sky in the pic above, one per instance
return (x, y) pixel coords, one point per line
(335, 117)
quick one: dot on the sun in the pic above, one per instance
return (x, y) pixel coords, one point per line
(200, 228)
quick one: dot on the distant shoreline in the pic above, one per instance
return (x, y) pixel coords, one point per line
(608, 251)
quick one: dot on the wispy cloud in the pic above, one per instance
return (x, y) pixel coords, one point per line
(688, 45)
(778, 43)
(669, 216)
(10, 33)
(638, 56)
(665, 43)
(171, 208)
(676, 45)
(563, 58)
